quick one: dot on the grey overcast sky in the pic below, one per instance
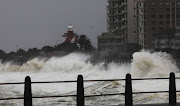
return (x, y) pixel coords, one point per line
(37, 23)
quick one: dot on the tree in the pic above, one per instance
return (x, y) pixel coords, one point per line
(81, 41)
(85, 43)
(32, 52)
(2, 54)
(21, 52)
(67, 47)
(47, 49)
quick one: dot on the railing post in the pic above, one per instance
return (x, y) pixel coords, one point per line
(172, 89)
(128, 91)
(27, 92)
(80, 91)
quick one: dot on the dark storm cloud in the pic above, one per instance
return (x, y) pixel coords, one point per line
(35, 23)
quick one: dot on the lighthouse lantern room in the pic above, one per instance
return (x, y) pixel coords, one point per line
(70, 36)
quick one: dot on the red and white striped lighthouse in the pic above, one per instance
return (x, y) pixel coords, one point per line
(70, 36)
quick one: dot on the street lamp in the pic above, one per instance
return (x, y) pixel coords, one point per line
(17, 47)
(56, 42)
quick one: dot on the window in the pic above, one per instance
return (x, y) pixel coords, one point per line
(167, 27)
(178, 30)
(160, 16)
(140, 4)
(167, 22)
(144, 4)
(141, 11)
(178, 15)
(153, 16)
(141, 17)
(153, 22)
(140, 29)
(140, 23)
(119, 3)
(167, 3)
(153, 3)
(178, 23)
(160, 3)
(167, 9)
(178, 9)
(160, 22)
(178, 3)
(160, 28)
(153, 28)
(167, 16)
(161, 9)
(152, 9)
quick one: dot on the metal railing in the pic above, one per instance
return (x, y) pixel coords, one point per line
(80, 90)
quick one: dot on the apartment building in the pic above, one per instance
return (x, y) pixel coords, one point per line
(120, 25)
(137, 21)
(154, 16)
(164, 39)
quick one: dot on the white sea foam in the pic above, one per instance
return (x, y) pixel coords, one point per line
(68, 67)
(158, 64)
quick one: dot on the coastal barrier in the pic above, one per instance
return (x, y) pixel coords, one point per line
(80, 97)
(108, 61)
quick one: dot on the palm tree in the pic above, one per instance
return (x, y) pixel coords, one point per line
(85, 43)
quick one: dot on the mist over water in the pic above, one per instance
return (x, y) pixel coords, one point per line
(144, 64)
(157, 64)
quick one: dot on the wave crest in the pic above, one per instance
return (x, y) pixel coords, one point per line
(157, 64)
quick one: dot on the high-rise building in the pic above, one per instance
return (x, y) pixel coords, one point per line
(120, 25)
(154, 16)
(121, 19)
(137, 21)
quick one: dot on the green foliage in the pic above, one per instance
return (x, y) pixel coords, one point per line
(85, 43)
(20, 52)
(22, 55)
(67, 47)
(47, 49)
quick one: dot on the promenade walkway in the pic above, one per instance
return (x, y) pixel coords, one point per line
(178, 104)
(80, 97)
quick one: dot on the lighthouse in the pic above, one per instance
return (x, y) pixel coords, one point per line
(70, 36)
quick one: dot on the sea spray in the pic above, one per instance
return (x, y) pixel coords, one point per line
(68, 63)
(67, 67)
(157, 64)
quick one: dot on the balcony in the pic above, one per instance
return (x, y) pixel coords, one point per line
(123, 19)
(124, 3)
(124, 26)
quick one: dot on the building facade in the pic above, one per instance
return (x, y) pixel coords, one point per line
(120, 26)
(136, 21)
(154, 16)
(165, 39)
(111, 43)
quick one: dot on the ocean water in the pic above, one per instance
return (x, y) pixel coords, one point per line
(143, 65)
